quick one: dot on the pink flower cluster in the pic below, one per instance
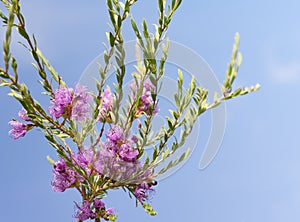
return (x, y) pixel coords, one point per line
(19, 129)
(106, 102)
(92, 210)
(146, 102)
(117, 160)
(69, 104)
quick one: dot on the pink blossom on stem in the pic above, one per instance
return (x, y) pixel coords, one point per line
(18, 129)
(81, 109)
(142, 191)
(106, 102)
(23, 114)
(115, 134)
(146, 102)
(62, 98)
(127, 153)
(84, 212)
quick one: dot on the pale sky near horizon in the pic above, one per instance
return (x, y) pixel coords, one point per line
(255, 176)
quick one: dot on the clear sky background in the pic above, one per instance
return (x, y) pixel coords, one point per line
(255, 176)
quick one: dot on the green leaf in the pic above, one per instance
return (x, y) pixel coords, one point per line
(111, 39)
(161, 4)
(165, 153)
(52, 162)
(4, 18)
(23, 33)
(16, 95)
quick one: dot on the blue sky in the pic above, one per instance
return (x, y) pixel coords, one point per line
(255, 176)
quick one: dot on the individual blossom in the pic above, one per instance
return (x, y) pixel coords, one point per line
(23, 115)
(146, 102)
(18, 129)
(81, 109)
(134, 139)
(108, 211)
(106, 105)
(83, 159)
(109, 164)
(84, 212)
(115, 134)
(127, 153)
(105, 162)
(99, 204)
(63, 176)
(107, 99)
(142, 191)
(62, 99)
(66, 177)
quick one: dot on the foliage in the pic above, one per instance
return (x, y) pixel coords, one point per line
(115, 158)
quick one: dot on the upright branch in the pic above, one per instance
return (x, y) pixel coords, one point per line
(114, 156)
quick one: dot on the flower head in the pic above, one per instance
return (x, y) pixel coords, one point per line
(18, 129)
(115, 134)
(99, 204)
(107, 99)
(84, 212)
(23, 114)
(108, 163)
(109, 211)
(62, 98)
(63, 176)
(127, 153)
(106, 105)
(81, 109)
(83, 159)
(146, 102)
(142, 191)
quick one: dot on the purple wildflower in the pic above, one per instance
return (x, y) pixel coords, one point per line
(146, 101)
(81, 109)
(63, 176)
(134, 139)
(106, 105)
(107, 99)
(23, 114)
(56, 111)
(109, 211)
(112, 166)
(115, 134)
(18, 129)
(80, 158)
(142, 191)
(84, 212)
(63, 181)
(62, 98)
(127, 153)
(84, 159)
(99, 204)
(104, 163)
(90, 154)
(149, 85)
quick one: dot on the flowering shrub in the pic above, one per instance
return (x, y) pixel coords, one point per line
(110, 135)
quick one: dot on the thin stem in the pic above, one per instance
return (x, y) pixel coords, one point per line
(111, 51)
(34, 52)
(99, 137)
